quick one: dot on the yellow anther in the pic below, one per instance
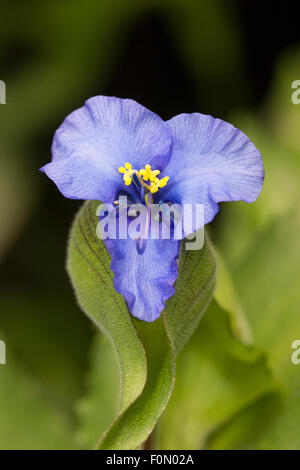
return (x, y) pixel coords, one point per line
(163, 182)
(146, 174)
(128, 172)
(127, 180)
(157, 183)
(153, 188)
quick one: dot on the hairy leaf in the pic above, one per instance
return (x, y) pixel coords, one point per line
(145, 351)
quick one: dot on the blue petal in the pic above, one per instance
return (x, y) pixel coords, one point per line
(211, 161)
(146, 281)
(95, 140)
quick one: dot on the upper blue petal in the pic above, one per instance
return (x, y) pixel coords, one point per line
(211, 161)
(146, 281)
(95, 140)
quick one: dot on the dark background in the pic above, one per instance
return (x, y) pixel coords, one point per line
(182, 56)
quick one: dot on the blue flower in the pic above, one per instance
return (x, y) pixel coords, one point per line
(113, 146)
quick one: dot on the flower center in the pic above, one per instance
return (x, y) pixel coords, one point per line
(146, 177)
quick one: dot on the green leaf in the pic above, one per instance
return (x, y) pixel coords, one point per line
(227, 298)
(217, 376)
(146, 351)
(271, 268)
(268, 281)
(88, 265)
(134, 426)
(99, 406)
(194, 290)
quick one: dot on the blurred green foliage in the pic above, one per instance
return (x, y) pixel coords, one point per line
(236, 386)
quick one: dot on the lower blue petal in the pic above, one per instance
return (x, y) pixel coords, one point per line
(146, 281)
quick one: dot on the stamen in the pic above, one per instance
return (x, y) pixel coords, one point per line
(149, 174)
(157, 183)
(141, 242)
(145, 174)
(128, 172)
